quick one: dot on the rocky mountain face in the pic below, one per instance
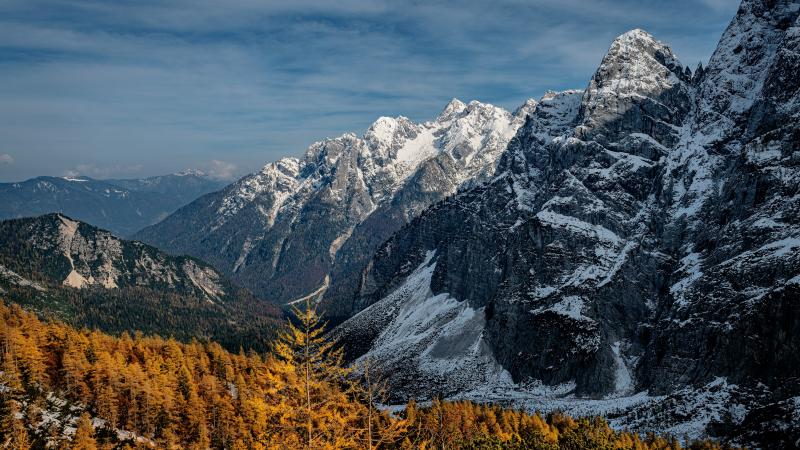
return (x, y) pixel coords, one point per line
(87, 276)
(121, 206)
(301, 225)
(636, 256)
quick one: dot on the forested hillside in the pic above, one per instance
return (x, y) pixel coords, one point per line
(79, 389)
(72, 271)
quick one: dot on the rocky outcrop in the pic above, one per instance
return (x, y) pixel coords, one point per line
(81, 256)
(646, 242)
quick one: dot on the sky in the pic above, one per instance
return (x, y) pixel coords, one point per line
(124, 88)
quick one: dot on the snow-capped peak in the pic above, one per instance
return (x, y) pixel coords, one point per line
(636, 35)
(737, 70)
(635, 53)
(526, 108)
(287, 166)
(375, 166)
(637, 69)
(386, 130)
(453, 109)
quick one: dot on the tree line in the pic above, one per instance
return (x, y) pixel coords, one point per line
(65, 388)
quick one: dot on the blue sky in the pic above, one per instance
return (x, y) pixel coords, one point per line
(133, 88)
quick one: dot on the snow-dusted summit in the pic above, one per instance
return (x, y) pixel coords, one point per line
(636, 253)
(283, 231)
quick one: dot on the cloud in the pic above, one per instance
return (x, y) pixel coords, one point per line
(160, 84)
(113, 171)
(220, 170)
(5, 158)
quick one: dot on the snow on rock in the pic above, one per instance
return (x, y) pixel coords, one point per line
(278, 180)
(645, 239)
(687, 412)
(436, 336)
(623, 380)
(577, 226)
(635, 66)
(570, 306)
(453, 108)
(739, 66)
(691, 270)
(312, 209)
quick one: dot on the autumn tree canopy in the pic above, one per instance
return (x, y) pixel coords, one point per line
(80, 389)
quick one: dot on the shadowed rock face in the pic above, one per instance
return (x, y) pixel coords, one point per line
(562, 216)
(648, 240)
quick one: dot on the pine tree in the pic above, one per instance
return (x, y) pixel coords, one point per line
(84, 434)
(75, 367)
(9, 374)
(315, 405)
(380, 429)
(12, 428)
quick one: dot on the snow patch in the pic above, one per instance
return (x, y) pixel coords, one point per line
(570, 306)
(434, 336)
(690, 267)
(623, 381)
(620, 260)
(577, 226)
(782, 247)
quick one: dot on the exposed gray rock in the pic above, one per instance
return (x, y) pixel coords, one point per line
(648, 241)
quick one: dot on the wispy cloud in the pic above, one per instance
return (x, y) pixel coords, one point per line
(162, 85)
(220, 170)
(94, 171)
(5, 158)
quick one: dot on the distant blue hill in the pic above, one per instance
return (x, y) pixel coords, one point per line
(120, 206)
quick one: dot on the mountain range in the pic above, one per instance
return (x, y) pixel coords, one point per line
(631, 249)
(291, 228)
(642, 262)
(121, 206)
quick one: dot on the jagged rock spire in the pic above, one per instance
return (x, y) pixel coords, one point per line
(639, 73)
